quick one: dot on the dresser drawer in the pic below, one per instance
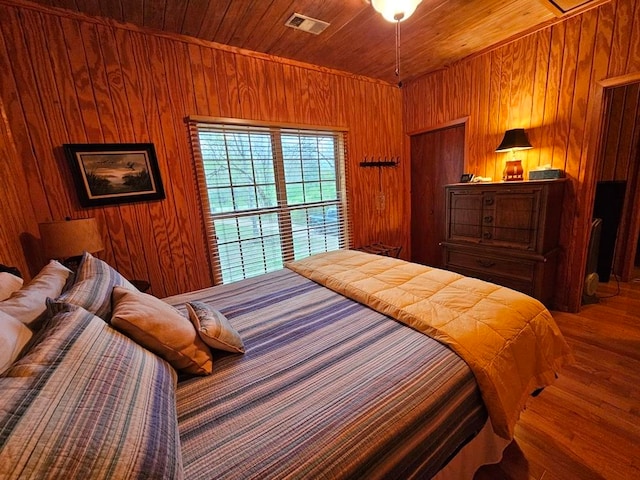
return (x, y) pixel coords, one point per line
(509, 282)
(514, 268)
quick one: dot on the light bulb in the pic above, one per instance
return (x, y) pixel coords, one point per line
(395, 10)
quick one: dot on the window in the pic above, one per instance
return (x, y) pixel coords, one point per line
(269, 195)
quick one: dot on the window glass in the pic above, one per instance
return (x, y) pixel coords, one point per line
(274, 195)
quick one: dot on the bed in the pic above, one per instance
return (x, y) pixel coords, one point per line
(328, 387)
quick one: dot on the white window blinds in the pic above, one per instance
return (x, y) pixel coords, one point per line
(269, 195)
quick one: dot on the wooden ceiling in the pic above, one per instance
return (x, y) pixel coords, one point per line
(358, 40)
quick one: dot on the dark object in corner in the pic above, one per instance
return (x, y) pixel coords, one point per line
(11, 270)
(141, 285)
(608, 206)
(538, 391)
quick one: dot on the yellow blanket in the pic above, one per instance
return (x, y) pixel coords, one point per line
(509, 340)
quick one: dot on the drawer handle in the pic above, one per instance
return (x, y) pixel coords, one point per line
(487, 235)
(486, 263)
(488, 201)
(488, 219)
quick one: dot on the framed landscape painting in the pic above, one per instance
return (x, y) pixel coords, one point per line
(111, 173)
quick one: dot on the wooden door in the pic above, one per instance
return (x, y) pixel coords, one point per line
(437, 159)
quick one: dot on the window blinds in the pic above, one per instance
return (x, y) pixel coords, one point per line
(269, 195)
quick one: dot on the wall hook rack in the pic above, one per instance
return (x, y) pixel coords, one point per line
(380, 162)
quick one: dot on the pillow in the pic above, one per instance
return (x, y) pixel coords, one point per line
(14, 335)
(8, 284)
(214, 328)
(87, 402)
(92, 288)
(160, 328)
(29, 303)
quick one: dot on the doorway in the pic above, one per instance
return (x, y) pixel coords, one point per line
(437, 159)
(620, 166)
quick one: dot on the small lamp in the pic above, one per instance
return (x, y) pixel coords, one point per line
(68, 239)
(513, 140)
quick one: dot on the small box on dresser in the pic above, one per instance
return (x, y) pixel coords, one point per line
(506, 233)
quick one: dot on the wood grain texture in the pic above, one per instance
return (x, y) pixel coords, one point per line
(15, 218)
(621, 133)
(545, 83)
(358, 39)
(586, 425)
(66, 79)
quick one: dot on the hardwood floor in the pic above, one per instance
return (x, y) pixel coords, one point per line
(587, 424)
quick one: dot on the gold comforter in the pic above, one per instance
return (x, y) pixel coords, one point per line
(508, 339)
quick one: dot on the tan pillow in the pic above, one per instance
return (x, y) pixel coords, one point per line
(9, 283)
(214, 328)
(28, 303)
(161, 329)
(13, 337)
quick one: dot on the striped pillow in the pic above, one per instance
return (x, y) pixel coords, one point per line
(214, 328)
(93, 286)
(88, 402)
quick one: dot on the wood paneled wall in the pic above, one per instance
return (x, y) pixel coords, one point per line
(621, 134)
(543, 82)
(66, 78)
(16, 214)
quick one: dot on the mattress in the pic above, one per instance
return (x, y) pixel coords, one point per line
(327, 388)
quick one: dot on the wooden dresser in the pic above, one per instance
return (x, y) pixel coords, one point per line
(506, 233)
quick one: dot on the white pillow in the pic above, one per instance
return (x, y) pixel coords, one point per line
(13, 337)
(28, 303)
(8, 284)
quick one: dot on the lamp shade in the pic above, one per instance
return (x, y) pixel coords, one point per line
(395, 10)
(69, 238)
(515, 139)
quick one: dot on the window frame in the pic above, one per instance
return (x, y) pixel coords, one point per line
(282, 209)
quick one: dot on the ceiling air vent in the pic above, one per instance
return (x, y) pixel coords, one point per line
(307, 24)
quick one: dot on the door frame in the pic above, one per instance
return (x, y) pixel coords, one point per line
(592, 158)
(442, 126)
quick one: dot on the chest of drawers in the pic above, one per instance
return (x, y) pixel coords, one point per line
(506, 233)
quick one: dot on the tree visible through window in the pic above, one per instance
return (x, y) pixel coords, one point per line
(273, 194)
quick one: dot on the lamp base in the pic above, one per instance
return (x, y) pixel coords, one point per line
(513, 171)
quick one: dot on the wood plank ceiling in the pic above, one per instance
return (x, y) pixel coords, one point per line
(358, 40)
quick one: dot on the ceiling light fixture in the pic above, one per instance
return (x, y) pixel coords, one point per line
(396, 11)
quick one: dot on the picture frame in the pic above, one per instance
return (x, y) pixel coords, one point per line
(114, 173)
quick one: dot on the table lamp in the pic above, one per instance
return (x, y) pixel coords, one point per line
(68, 239)
(515, 139)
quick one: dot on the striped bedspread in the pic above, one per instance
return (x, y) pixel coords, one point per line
(88, 403)
(326, 389)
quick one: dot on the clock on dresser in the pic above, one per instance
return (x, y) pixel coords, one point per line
(505, 233)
